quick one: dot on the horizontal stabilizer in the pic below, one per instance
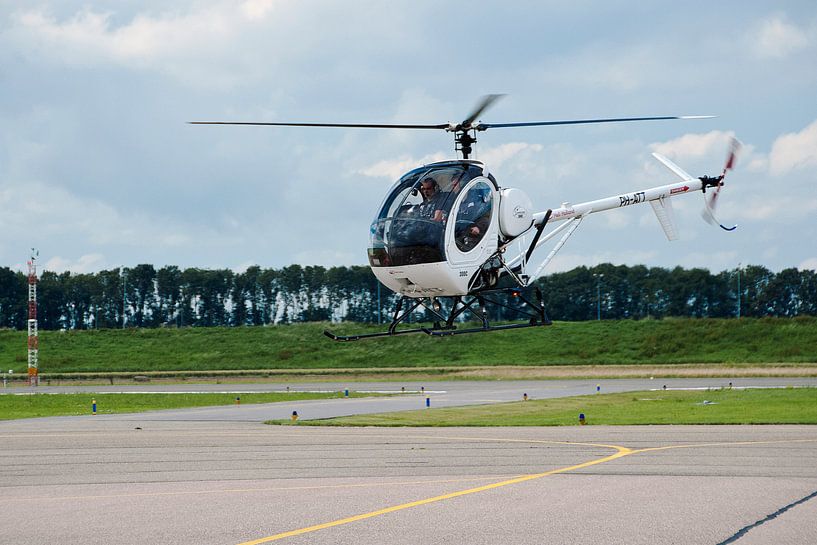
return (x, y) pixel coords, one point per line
(666, 217)
(673, 167)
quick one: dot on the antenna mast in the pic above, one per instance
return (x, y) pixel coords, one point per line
(33, 338)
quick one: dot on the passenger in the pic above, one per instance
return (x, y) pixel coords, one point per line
(473, 218)
(456, 183)
(446, 198)
(471, 236)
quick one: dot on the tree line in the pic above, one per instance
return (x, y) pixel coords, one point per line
(143, 296)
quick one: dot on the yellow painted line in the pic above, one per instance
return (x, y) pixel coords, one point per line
(621, 451)
(735, 444)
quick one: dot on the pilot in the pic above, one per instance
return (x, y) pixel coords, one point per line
(433, 199)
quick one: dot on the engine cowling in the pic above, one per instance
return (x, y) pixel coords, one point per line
(515, 212)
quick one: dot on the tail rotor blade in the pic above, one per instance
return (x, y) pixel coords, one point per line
(734, 148)
(711, 200)
(731, 157)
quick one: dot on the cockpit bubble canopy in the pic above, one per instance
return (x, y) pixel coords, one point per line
(409, 228)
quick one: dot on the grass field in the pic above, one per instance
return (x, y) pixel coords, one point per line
(30, 406)
(645, 342)
(762, 406)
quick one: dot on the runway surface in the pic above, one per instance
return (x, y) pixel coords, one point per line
(439, 394)
(164, 478)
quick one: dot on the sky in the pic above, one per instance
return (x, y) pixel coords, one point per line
(100, 169)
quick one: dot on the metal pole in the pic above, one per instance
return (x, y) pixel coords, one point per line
(124, 281)
(379, 312)
(598, 296)
(738, 290)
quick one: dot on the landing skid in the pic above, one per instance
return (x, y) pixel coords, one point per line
(443, 322)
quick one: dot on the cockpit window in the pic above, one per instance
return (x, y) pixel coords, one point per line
(473, 216)
(410, 227)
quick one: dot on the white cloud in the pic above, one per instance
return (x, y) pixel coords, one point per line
(392, 169)
(92, 34)
(496, 157)
(85, 264)
(760, 163)
(257, 9)
(777, 39)
(808, 264)
(618, 221)
(50, 217)
(197, 46)
(695, 146)
(781, 209)
(794, 151)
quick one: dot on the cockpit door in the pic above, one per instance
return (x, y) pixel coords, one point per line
(471, 233)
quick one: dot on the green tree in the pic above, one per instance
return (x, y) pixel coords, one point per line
(52, 312)
(141, 295)
(168, 294)
(13, 299)
(109, 309)
(80, 290)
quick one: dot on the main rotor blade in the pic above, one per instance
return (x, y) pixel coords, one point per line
(342, 125)
(483, 105)
(484, 126)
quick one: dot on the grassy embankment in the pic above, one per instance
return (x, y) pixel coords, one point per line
(673, 342)
(31, 406)
(768, 406)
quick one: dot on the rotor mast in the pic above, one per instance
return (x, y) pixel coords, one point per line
(463, 141)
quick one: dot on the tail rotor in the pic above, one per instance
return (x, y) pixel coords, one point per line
(711, 200)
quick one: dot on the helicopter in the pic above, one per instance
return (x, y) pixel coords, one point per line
(449, 239)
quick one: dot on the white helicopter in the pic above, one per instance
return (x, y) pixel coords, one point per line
(442, 238)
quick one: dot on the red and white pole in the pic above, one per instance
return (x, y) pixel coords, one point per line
(33, 337)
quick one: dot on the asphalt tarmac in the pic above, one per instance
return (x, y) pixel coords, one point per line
(167, 477)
